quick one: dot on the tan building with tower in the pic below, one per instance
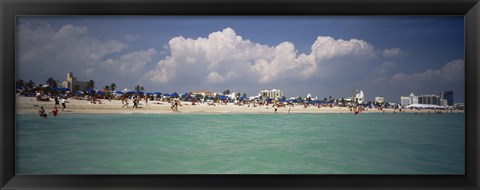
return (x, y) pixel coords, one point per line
(73, 84)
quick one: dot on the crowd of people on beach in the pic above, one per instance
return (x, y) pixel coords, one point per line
(175, 102)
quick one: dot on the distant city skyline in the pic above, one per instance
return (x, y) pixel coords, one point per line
(385, 56)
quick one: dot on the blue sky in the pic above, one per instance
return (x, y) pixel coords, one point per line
(324, 56)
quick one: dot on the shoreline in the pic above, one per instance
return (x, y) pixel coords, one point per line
(28, 105)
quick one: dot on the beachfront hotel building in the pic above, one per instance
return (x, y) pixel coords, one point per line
(448, 96)
(360, 97)
(73, 84)
(379, 100)
(429, 99)
(202, 93)
(273, 94)
(407, 100)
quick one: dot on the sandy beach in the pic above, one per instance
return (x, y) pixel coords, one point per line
(27, 105)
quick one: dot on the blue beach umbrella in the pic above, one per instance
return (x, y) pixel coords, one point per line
(118, 92)
(90, 91)
(130, 92)
(222, 97)
(79, 93)
(175, 95)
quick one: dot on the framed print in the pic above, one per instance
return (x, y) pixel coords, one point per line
(310, 94)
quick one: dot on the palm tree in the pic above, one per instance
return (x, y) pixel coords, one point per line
(30, 85)
(139, 88)
(20, 84)
(106, 88)
(91, 84)
(113, 86)
(226, 92)
(51, 82)
(299, 99)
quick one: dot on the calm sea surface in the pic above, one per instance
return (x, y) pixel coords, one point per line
(241, 144)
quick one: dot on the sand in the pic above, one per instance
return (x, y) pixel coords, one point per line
(25, 105)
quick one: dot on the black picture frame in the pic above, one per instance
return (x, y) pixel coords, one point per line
(9, 9)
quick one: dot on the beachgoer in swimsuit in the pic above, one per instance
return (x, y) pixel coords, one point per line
(55, 111)
(42, 113)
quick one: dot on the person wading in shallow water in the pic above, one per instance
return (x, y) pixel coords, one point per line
(42, 113)
(54, 111)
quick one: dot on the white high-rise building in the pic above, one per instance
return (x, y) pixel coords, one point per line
(379, 99)
(405, 100)
(274, 93)
(413, 99)
(360, 97)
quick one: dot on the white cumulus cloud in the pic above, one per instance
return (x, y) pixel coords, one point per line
(392, 52)
(224, 56)
(131, 63)
(451, 72)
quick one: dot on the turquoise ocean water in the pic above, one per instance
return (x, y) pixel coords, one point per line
(241, 144)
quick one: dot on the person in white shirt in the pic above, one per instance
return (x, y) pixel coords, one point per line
(63, 104)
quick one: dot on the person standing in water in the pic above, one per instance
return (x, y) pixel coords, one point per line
(42, 113)
(55, 111)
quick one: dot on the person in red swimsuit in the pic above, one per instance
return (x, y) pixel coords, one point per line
(55, 111)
